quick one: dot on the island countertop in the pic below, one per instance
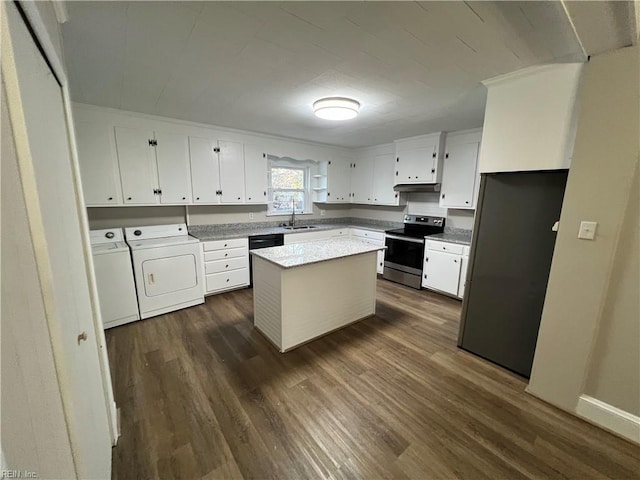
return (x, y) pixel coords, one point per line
(299, 254)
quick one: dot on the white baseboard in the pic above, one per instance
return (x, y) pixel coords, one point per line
(609, 417)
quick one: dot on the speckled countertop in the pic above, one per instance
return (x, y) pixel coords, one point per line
(240, 230)
(460, 236)
(299, 254)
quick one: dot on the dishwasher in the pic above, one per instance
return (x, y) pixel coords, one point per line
(262, 241)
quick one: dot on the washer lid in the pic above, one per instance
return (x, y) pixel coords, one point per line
(161, 242)
(111, 247)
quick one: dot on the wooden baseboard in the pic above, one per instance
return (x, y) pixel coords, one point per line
(609, 417)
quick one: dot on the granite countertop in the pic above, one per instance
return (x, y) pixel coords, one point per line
(299, 254)
(462, 237)
(240, 230)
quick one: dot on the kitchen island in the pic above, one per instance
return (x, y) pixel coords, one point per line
(306, 290)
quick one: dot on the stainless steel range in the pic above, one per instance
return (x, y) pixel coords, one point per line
(405, 249)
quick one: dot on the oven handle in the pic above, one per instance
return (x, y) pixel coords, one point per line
(404, 239)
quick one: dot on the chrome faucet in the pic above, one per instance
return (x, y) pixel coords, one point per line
(292, 223)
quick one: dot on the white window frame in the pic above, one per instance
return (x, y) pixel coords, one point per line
(305, 166)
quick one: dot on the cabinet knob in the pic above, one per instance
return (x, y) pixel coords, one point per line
(446, 155)
(184, 198)
(227, 279)
(225, 244)
(433, 155)
(110, 198)
(226, 266)
(433, 170)
(82, 337)
(238, 198)
(466, 202)
(197, 198)
(128, 198)
(443, 195)
(249, 198)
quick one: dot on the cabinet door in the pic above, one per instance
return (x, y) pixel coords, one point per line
(174, 176)
(98, 164)
(441, 271)
(459, 176)
(137, 161)
(255, 174)
(231, 160)
(338, 181)
(361, 181)
(464, 265)
(383, 177)
(205, 175)
(416, 163)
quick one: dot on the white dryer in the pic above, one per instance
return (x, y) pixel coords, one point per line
(114, 277)
(167, 266)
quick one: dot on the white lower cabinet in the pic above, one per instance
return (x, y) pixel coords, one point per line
(376, 238)
(226, 264)
(445, 267)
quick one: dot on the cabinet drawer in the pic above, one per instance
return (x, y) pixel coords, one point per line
(227, 253)
(226, 265)
(339, 233)
(225, 280)
(445, 247)
(222, 244)
(367, 234)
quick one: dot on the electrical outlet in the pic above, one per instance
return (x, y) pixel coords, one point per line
(322, 213)
(251, 216)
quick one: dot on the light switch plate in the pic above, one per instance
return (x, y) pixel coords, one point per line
(587, 230)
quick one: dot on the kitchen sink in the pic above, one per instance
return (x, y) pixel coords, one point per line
(300, 227)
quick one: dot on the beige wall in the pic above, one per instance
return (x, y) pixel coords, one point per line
(614, 370)
(584, 283)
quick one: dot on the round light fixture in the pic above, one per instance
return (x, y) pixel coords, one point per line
(336, 108)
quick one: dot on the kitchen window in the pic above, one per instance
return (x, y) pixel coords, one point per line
(289, 186)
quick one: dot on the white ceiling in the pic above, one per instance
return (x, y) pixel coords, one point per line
(415, 67)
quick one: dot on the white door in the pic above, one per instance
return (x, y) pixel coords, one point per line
(338, 180)
(231, 159)
(416, 164)
(255, 174)
(441, 271)
(205, 174)
(383, 176)
(137, 161)
(170, 274)
(98, 164)
(172, 157)
(54, 208)
(361, 180)
(459, 175)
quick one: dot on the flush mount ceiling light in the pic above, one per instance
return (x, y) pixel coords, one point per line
(336, 108)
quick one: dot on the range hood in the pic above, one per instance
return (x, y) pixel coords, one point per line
(417, 187)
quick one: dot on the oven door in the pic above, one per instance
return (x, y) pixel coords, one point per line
(404, 253)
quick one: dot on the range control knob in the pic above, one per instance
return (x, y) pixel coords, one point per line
(109, 235)
(137, 233)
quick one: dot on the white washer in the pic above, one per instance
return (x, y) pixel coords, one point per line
(114, 277)
(167, 266)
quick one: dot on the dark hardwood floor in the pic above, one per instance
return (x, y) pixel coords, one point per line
(204, 395)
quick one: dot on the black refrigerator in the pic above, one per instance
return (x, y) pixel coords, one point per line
(509, 265)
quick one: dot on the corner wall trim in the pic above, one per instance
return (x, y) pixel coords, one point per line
(610, 417)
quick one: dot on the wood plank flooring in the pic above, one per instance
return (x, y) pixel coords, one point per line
(204, 395)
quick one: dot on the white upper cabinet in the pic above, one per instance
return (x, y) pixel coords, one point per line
(137, 161)
(338, 180)
(98, 163)
(419, 159)
(231, 158)
(205, 174)
(383, 175)
(255, 174)
(217, 171)
(174, 175)
(460, 179)
(362, 180)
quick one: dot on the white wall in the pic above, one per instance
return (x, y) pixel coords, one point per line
(580, 290)
(530, 119)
